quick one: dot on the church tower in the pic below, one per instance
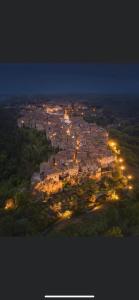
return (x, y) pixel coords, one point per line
(66, 117)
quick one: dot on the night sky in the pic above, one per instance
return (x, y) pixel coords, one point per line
(69, 78)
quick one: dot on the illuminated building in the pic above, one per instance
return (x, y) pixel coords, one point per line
(10, 204)
(66, 117)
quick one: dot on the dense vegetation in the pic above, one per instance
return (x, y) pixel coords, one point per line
(128, 138)
(21, 151)
(118, 220)
(53, 218)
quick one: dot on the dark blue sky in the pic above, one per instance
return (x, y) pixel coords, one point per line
(69, 78)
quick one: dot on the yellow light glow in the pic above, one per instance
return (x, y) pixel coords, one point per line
(112, 144)
(121, 160)
(117, 151)
(114, 196)
(100, 206)
(129, 176)
(9, 204)
(130, 187)
(122, 168)
(66, 214)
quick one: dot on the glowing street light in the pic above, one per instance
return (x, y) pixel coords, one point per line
(130, 187)
(122, 168)
(112, 144)
(121, 160)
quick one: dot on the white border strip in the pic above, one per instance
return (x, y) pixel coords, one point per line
(69, 296)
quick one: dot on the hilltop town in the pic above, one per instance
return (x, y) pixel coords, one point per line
(62, 173)
(82, 147)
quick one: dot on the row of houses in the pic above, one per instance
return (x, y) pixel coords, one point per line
(83, 146)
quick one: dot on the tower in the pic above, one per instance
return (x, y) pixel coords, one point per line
(75, 155)
(66, 117)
